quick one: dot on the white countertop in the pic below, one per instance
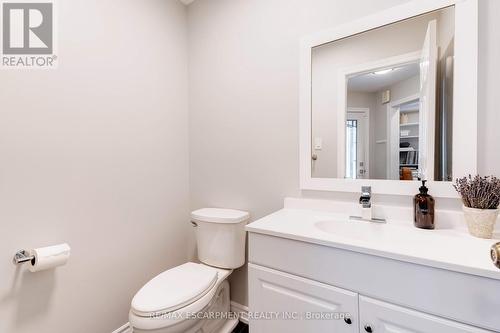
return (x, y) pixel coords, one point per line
(451, 249)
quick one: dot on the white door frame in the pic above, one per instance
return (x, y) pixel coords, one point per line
(366, 138)
(427, 112)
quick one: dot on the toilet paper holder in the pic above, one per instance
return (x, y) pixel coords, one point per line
(21, 257)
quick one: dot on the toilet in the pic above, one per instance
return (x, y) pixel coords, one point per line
(194, 297)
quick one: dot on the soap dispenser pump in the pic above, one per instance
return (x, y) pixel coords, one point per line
(423, 205)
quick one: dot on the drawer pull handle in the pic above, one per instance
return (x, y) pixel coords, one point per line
(348, 321)
(368, 328)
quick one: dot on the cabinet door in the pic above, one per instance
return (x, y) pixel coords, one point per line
(380, 317)
(284, 303)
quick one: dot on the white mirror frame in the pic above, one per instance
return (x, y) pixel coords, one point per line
(464, 97)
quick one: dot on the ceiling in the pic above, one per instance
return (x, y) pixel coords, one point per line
(186, 2)
(370, 82)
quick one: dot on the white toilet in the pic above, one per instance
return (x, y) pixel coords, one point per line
(194, 298)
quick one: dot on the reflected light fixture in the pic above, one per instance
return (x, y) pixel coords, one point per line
(383, 71)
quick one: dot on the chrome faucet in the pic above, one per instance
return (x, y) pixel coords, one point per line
(366, 196)
(366, 206)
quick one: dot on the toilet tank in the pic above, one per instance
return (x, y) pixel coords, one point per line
(220, 236)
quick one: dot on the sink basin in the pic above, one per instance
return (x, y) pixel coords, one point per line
(361, 231)
(352, 229)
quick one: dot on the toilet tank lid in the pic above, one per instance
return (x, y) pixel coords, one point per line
(219, 215)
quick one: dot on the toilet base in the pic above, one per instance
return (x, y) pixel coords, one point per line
(229, 326)
(215, 318)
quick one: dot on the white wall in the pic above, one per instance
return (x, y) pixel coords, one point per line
(244, 83)
(244, 100)
(405, 88)
(95, 153)
(489, 81)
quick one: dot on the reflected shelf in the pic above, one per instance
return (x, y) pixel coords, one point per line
(409, 124)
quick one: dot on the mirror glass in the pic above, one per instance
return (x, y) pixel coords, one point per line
(382, 102)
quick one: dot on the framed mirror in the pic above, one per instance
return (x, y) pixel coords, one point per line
(391, 99)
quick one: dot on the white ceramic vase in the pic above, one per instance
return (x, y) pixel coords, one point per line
(481, 222)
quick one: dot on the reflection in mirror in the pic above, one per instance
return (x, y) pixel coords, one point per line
(382, 102)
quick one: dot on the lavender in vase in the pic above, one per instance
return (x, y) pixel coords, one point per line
(480, 198)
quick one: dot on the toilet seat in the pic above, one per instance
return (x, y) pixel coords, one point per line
(162, 320)
(174, 289)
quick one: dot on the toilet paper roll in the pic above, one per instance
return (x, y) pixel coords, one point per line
(49, 257)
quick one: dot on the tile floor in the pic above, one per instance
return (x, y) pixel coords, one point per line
(241, 328)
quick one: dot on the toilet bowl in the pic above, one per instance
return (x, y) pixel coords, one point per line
(195, 297)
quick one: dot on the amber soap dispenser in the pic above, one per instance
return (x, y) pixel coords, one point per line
(423, 208)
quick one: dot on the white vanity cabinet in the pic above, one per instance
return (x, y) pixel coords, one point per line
(387, 295)
(287, 303)
(381, 317)
(282, 302)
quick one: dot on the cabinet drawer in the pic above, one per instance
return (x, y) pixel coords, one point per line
(383, 317)
(280, 302)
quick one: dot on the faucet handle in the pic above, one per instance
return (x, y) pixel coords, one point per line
(366, 190)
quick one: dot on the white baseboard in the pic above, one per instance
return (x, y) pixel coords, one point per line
(124, 329)
(237, 308)
(241, 310)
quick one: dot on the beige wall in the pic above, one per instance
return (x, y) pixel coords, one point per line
(95, 153)
(244, 60)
